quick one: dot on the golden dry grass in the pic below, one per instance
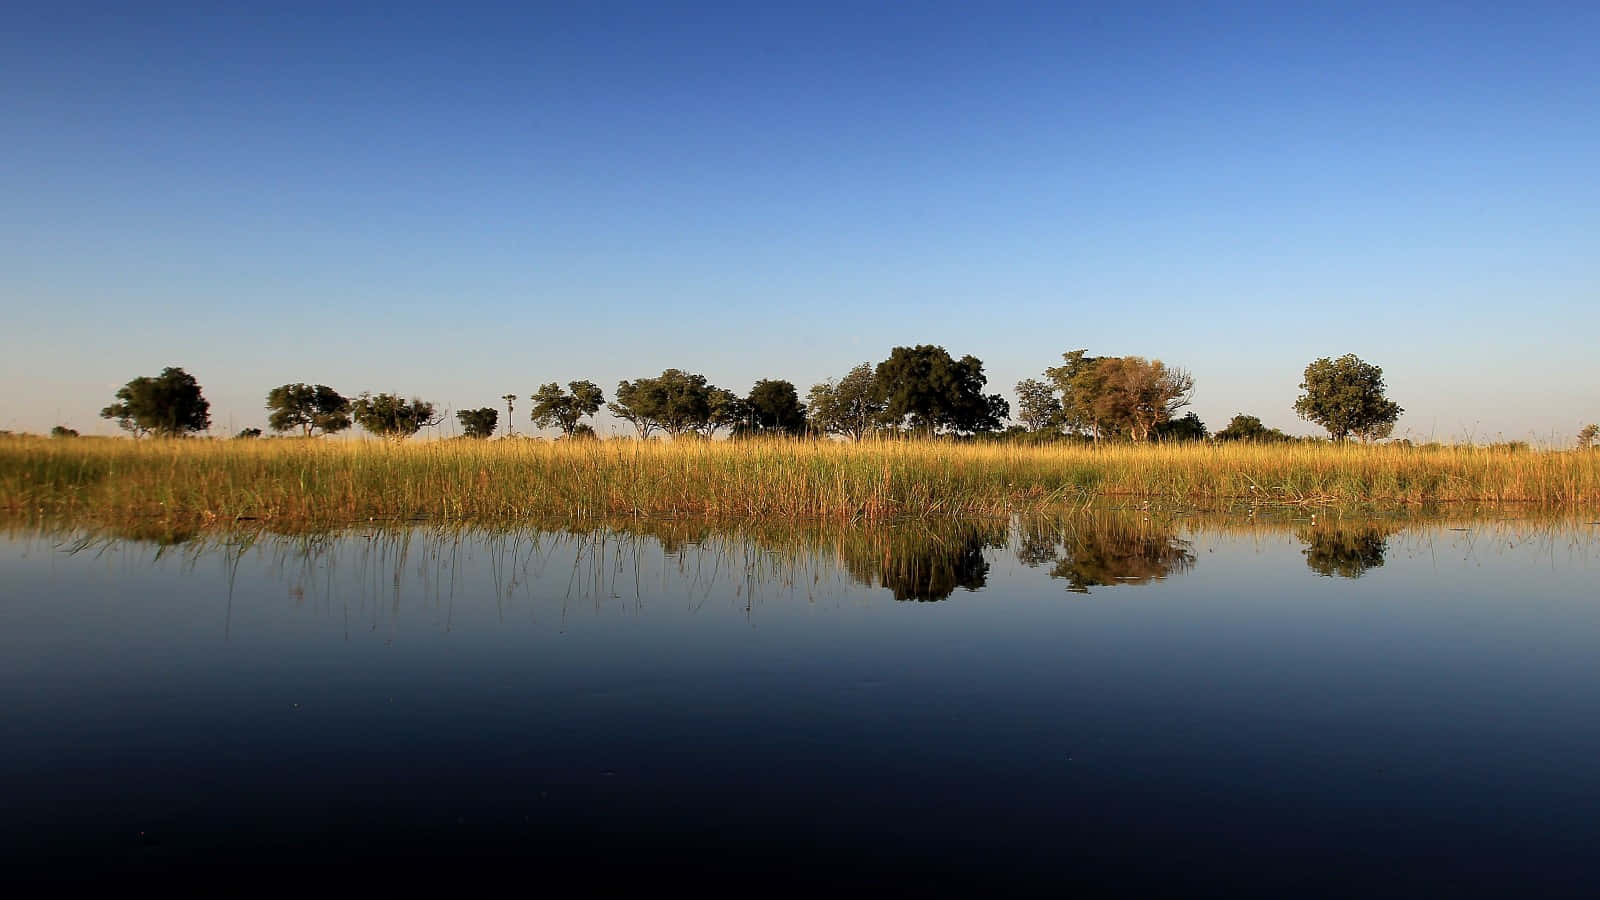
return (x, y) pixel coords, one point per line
(320, 481)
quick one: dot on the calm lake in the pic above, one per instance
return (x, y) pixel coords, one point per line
(1120, 700)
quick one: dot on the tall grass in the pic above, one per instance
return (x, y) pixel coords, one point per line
(316, 481)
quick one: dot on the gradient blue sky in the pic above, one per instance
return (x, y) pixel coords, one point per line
(457, 201)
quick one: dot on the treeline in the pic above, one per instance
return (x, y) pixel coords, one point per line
(919, 391)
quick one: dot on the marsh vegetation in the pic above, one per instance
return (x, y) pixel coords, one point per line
(327, 482)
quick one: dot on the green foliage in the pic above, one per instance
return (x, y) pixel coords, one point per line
(1249, 428)
(168, 405)
(1589, 437)
(1346, 397)
(1188, 428)
(728, 410)
(478, 423)
(310, 408)
(925, 390)
(553, 407)
(850, 408)
(774, 407)
(1038, 408)
(248, 433)
(62, 431)
(391, 416)
(675, 402)
(1078, 379)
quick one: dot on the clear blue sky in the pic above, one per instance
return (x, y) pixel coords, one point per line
(459, 201)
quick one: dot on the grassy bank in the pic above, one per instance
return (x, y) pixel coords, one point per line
(341, 481)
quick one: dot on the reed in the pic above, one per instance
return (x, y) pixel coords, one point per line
(325, 481)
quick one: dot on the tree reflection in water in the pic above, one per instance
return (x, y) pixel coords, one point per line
(913, 561)
(1346, 551)
(923, 564)
(1105, 549)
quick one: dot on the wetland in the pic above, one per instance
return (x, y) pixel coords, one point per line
(1287, 699)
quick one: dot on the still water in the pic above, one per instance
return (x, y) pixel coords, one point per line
(1116, 700)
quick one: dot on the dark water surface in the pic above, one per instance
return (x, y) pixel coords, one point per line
(1110, 702)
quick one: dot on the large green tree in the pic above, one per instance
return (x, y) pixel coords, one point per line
(774, 407)
(925, 391)
(478, 423)
(1345, 396)
(1038, 408)
(727, 410)
(1080, 382)
(676, 402)
(553, 407)
(850, 407)
(310, 408)
(392, 416)
(167, 405)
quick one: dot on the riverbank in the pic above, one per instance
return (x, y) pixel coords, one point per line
(327, 481)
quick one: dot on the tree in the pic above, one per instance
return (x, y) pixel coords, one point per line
(1345, 396)
(1118, 395)
(925, 390)
(1038, 408)
(1137, 394)
(1188, 428)
(849, 408)
(676, 402)
(553, 407)
(168, 405)
(392, 416)
(1587, 436)
(1249, 428)
(478, 423)
(1080, 381)
(307, 407)
(726, 410)
(774, 407)
(62, 431)
(638, 402)
(247, 433)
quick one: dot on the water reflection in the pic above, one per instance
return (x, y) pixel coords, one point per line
(557, 697)
(1345, 551)
(923, 564)
(1103, 550)
(920, 561)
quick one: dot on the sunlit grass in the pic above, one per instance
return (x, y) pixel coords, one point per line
(323, 481)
